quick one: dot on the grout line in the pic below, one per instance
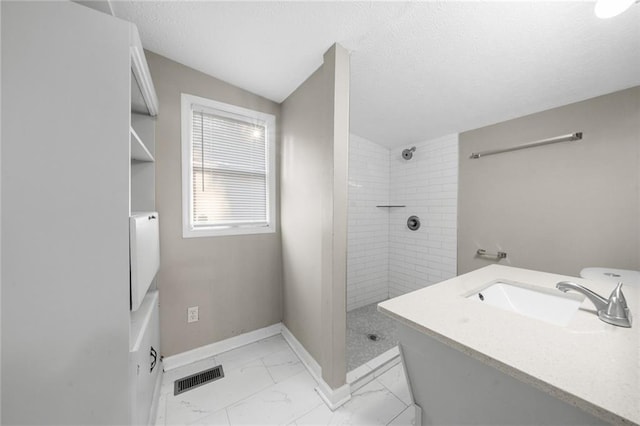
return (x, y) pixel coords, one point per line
(252, 359)
(227, 413)
(295, 420)
(259, 391)
(396, 397)
(268, 372)
(226, 407)
(399, 414)
(389, 389)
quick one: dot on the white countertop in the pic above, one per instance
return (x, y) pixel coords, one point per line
(588, 363)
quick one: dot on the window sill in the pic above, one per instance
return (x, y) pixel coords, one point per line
(226, 232)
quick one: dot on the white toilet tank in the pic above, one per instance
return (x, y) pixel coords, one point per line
(144, 254)
(612, 275)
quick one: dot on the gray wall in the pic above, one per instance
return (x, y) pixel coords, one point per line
(235, 280)
(65, 208)
(315, 141)
(560, 207)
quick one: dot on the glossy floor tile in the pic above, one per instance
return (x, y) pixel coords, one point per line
(373, 404)
(266, 384)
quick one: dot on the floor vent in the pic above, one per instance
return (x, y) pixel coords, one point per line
(198, 379)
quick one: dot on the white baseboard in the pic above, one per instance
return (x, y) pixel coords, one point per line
(312, 365)
(334, 398)
(418, 414)
(203, 352)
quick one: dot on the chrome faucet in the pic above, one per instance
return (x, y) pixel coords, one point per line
(613, 311)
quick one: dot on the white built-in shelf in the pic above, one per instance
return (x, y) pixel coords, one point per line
(139, 151)
(141, 82)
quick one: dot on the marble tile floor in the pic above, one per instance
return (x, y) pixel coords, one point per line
(265, 383)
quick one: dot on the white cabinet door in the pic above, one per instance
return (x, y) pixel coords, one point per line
(145, 363)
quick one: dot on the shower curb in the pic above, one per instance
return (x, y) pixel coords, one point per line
(366, 373)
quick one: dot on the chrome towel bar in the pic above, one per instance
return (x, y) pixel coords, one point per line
(498, 255)
(565, 138)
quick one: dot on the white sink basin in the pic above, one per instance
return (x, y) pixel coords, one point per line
(549, 305)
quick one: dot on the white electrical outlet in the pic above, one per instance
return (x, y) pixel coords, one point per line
(192, 314)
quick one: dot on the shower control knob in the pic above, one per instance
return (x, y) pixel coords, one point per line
(413, 223)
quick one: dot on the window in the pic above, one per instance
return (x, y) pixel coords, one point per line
(228, 169)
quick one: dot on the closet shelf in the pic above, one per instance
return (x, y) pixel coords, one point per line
(139, 151)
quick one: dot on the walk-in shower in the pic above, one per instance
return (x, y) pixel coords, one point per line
(385, 258)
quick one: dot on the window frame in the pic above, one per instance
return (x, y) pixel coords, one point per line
(189, 103)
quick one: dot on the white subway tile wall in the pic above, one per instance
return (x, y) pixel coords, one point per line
(368, 225)
(384, 258)
(428, 186)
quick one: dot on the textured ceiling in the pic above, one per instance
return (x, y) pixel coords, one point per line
(418, 69)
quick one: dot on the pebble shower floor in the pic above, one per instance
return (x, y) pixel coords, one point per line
(361, 324)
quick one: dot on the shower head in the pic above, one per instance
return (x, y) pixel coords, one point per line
(407, 154)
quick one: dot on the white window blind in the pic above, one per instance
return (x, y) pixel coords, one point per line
(229, 174)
